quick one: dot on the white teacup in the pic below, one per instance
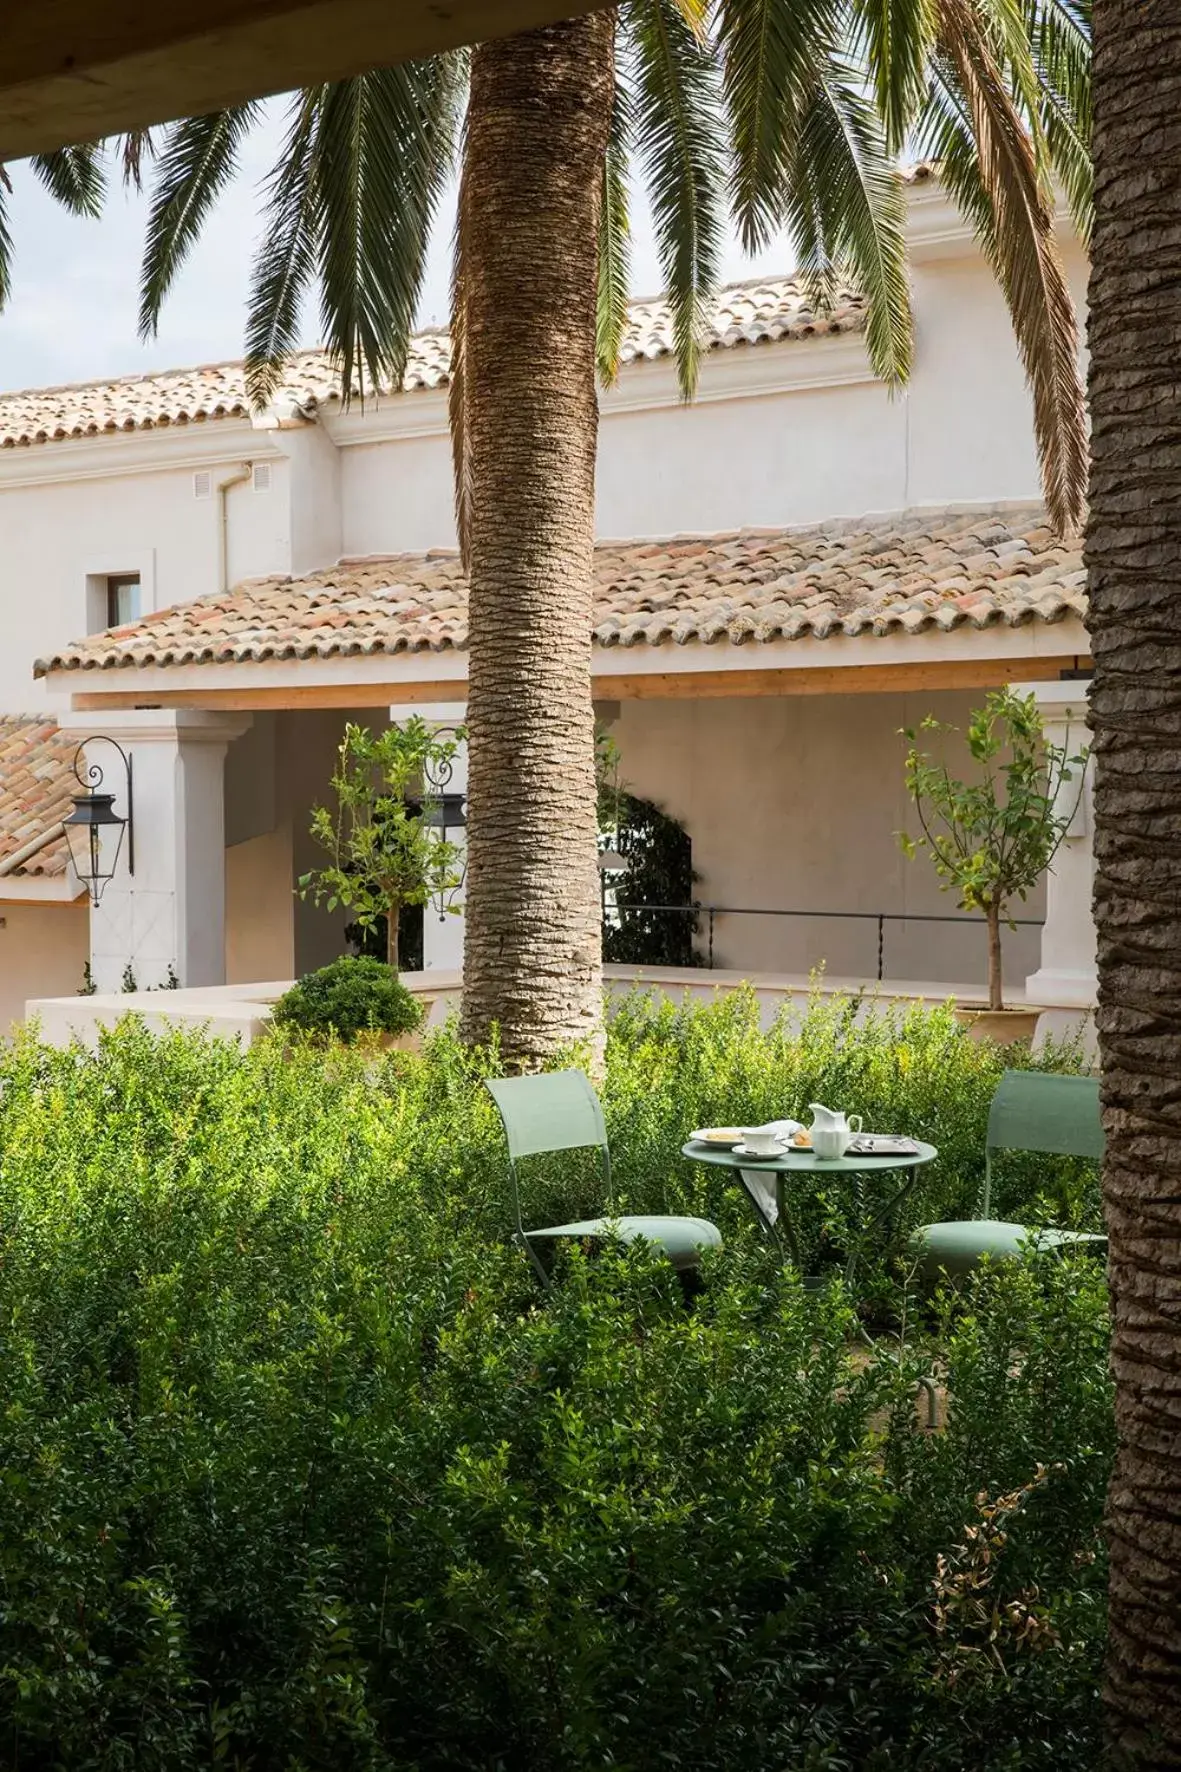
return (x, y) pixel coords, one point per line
(761, 1142)
(834, 1141)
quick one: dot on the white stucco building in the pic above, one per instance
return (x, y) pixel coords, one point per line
(790, 570)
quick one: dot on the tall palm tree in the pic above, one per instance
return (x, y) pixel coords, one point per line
(1133, 554)
(793, 110)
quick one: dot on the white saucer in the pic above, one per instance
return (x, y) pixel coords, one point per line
(740, 1150)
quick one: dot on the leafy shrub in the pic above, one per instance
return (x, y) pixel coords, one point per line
(354, 995)
(300, 1470)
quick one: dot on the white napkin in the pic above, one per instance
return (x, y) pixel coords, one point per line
(782, 1128)
(760, 1184)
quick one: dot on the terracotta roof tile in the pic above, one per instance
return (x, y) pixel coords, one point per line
(922, 569)
(36, 786)
(755, 312)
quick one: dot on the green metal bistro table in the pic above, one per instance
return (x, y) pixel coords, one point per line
(762, 1180)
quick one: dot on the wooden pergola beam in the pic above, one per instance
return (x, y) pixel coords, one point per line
(983, 673)
(75, 70)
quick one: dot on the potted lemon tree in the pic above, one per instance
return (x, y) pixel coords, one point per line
(385, 849)
(991, 838)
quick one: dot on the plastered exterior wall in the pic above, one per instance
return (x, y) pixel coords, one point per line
(260, 909)
(793, 432)
(794, 802)
(43, 952)
(56, 533)
(836, 444)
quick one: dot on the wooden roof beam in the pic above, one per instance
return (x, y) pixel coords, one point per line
(75, 70)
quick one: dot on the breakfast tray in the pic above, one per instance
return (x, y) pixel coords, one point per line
(881, 1144)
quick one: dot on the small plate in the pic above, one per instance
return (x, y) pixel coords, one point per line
(740, 1150)
(717, 1137)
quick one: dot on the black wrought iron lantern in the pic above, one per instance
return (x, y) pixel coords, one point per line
(95, 832)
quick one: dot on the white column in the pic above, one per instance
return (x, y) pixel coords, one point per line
(169, 914)
(442, 936)
(1067, 978)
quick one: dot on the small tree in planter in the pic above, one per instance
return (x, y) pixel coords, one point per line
(384, 845)
(992, 839)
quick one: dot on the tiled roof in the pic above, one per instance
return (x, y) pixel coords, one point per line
(36, 785)
(747, 313)
(908, 573)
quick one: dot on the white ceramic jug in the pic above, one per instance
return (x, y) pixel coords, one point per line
(832, 1133)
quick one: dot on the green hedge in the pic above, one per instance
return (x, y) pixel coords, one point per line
(299, 1470)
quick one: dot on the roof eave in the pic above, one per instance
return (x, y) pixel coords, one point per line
(423, 674)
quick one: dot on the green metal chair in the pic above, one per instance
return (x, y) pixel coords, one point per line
(559, 1111)
(1031, 1111)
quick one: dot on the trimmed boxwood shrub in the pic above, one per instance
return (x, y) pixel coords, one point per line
(354, 995)
(300, 1469)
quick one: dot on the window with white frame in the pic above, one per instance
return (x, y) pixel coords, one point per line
(124, 603)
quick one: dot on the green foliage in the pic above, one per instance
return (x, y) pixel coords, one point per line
(382, 839)
(993, 837)
(659, 857)
(300, 1470)
(351, 996)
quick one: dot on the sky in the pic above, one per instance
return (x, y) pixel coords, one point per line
(72, 316)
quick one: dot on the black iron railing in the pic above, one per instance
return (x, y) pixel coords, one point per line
(712, 911)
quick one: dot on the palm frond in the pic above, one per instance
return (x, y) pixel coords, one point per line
(680, 143)
(614, 240)
(1001, 26)
(285, 262)
(894, 38)
(74, 176)
(384, 147)
(5, 242)
(990, 168)
(134, 148)
(846, 210)
(770, 50)
(197, 160)
(1060, 32)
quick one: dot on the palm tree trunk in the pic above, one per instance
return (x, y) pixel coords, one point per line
(1133, 553)
(538, 121)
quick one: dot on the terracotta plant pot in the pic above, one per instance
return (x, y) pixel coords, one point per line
(1005, 1027)
(375, 1042)
(411, 1042)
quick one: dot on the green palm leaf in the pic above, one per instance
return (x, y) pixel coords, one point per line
(5, 241)
(894, 38)
(990, 166)
(614, 240)
(196, 162)
(679, 134)
(770, 51)
(384, 147)
(74, 176)
(1060, 32)
(845, 207)
(286, 259)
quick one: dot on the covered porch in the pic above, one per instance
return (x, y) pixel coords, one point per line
(755, 686)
